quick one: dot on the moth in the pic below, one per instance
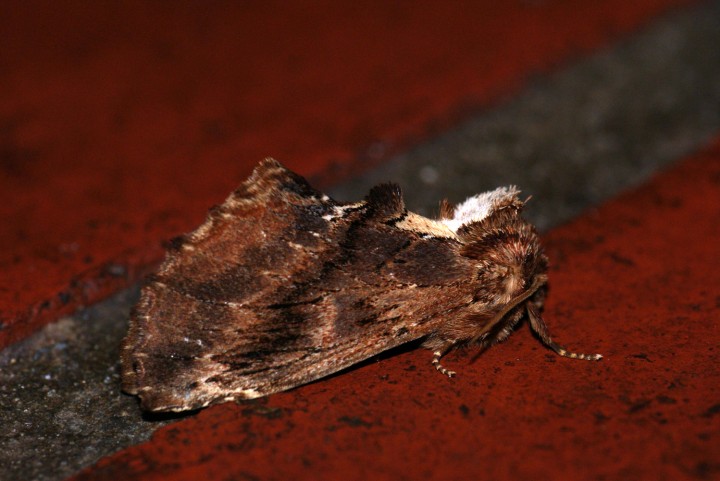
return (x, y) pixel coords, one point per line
(282, 285)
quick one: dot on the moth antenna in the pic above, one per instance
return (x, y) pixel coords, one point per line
(538, 325)
(436, 359)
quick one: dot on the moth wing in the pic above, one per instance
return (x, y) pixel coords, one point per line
(280, 286)
(204, 293)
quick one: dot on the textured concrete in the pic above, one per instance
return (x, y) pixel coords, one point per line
(65, 411)
(60, 407)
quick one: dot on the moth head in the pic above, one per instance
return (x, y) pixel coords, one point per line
(505, 246)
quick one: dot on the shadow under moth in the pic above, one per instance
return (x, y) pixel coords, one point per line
(282, 285)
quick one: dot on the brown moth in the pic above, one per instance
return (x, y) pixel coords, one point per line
(283, 285)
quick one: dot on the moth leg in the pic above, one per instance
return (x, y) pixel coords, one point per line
(538, 325)
(436, 359)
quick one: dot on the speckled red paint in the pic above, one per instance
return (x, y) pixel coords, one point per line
(120, 123)
(636, 279)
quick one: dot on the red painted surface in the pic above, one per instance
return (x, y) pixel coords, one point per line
(120, 123)
(637, 280)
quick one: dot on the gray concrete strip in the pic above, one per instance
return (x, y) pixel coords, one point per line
(571, 140)
(60, 404)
